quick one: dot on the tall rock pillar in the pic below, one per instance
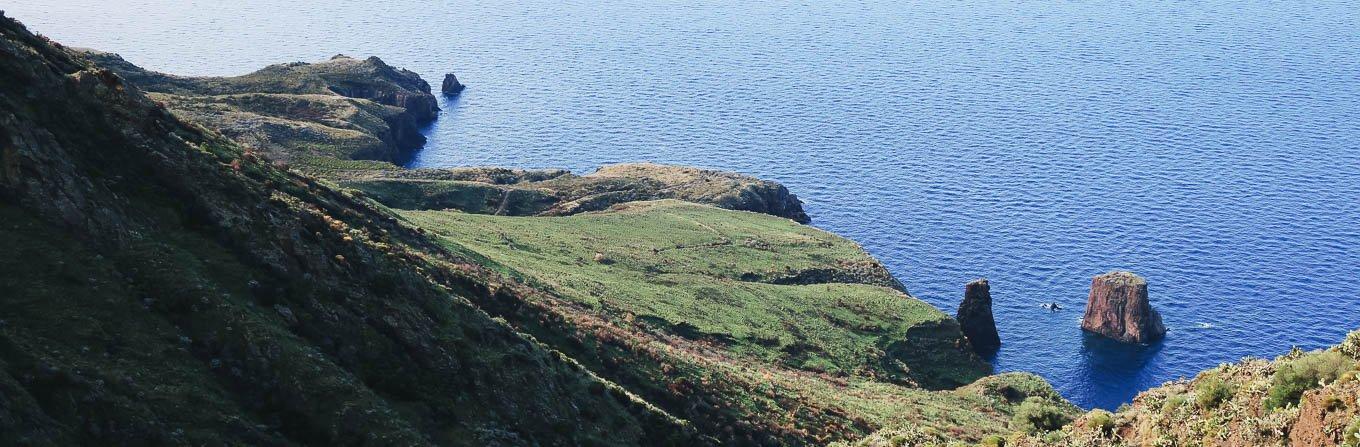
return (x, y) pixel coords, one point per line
(1118, 308)
(975, 317)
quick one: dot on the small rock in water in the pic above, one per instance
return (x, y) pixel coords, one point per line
(451, 85)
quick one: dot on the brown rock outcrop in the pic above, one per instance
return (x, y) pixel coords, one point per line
(1118, 308)
(975, 317)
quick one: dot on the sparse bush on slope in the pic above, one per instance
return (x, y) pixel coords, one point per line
(1212, 391)
(1037, 415)
(1307, 372)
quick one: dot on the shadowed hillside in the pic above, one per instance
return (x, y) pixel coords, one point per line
(163, 286)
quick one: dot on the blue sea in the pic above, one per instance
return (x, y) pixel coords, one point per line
(1211, 146)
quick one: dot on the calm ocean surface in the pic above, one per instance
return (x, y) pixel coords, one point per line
(1213, 147)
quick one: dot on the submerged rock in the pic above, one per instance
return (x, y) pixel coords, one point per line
(1118, 308)
(451, 85)
(975, 317)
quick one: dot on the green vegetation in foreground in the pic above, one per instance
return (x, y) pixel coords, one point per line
(1299, 399)
(976, 414)
(752, 284)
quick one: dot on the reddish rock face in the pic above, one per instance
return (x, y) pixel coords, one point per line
(975, 317)
(1118, 308)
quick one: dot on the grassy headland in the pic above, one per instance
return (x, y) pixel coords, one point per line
(755, 285)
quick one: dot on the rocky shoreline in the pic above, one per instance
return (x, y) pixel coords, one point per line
(328, 118)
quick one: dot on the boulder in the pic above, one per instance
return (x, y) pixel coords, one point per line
(975, 317)
(451, 85)
(1118, 308)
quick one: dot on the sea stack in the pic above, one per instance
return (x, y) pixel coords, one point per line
(451, 85)
(1118, 308)
(975, 317)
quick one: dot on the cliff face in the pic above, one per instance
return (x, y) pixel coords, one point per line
(344, 108)
(722, 189)
(164, 286)
(975, 317)
(1118, 308)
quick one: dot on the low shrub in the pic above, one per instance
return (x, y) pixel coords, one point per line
(1213, 391)
(1310, 371)
(1351, 346)
(1173, 403)
(993, 441)
(1038, 415)
(1101, 421)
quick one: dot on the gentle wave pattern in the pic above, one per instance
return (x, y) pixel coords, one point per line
(1213, 147)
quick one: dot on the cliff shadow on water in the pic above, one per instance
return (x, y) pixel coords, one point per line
(1113, 370)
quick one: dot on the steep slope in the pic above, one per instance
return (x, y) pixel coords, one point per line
(161, 285)
(750, 284)
(168, 286)
(756, 329)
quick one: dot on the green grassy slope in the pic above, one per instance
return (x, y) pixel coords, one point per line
(161, 285)
(758, 286)
(754, 328)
